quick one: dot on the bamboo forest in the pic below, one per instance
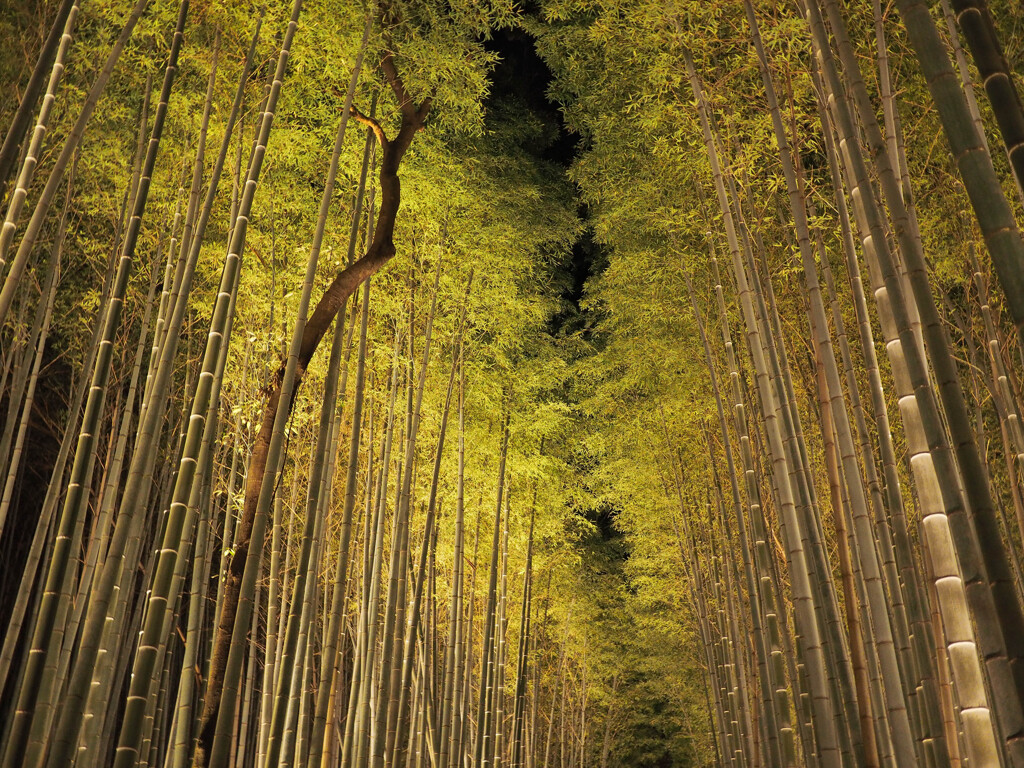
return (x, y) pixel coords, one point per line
(511, 383)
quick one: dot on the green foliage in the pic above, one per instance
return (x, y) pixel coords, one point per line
(609, 395)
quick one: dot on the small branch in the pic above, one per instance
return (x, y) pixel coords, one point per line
(372, 124)
(421, 113)
(387, 66)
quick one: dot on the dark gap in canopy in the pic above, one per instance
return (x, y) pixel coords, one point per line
(522, 79)
(520, 91)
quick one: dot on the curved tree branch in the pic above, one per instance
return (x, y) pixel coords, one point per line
(405, 102)
(372, 124)
(380, 250)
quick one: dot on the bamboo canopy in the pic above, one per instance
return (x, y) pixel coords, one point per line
(422, 384)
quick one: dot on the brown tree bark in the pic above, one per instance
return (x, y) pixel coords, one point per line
(378, 253)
